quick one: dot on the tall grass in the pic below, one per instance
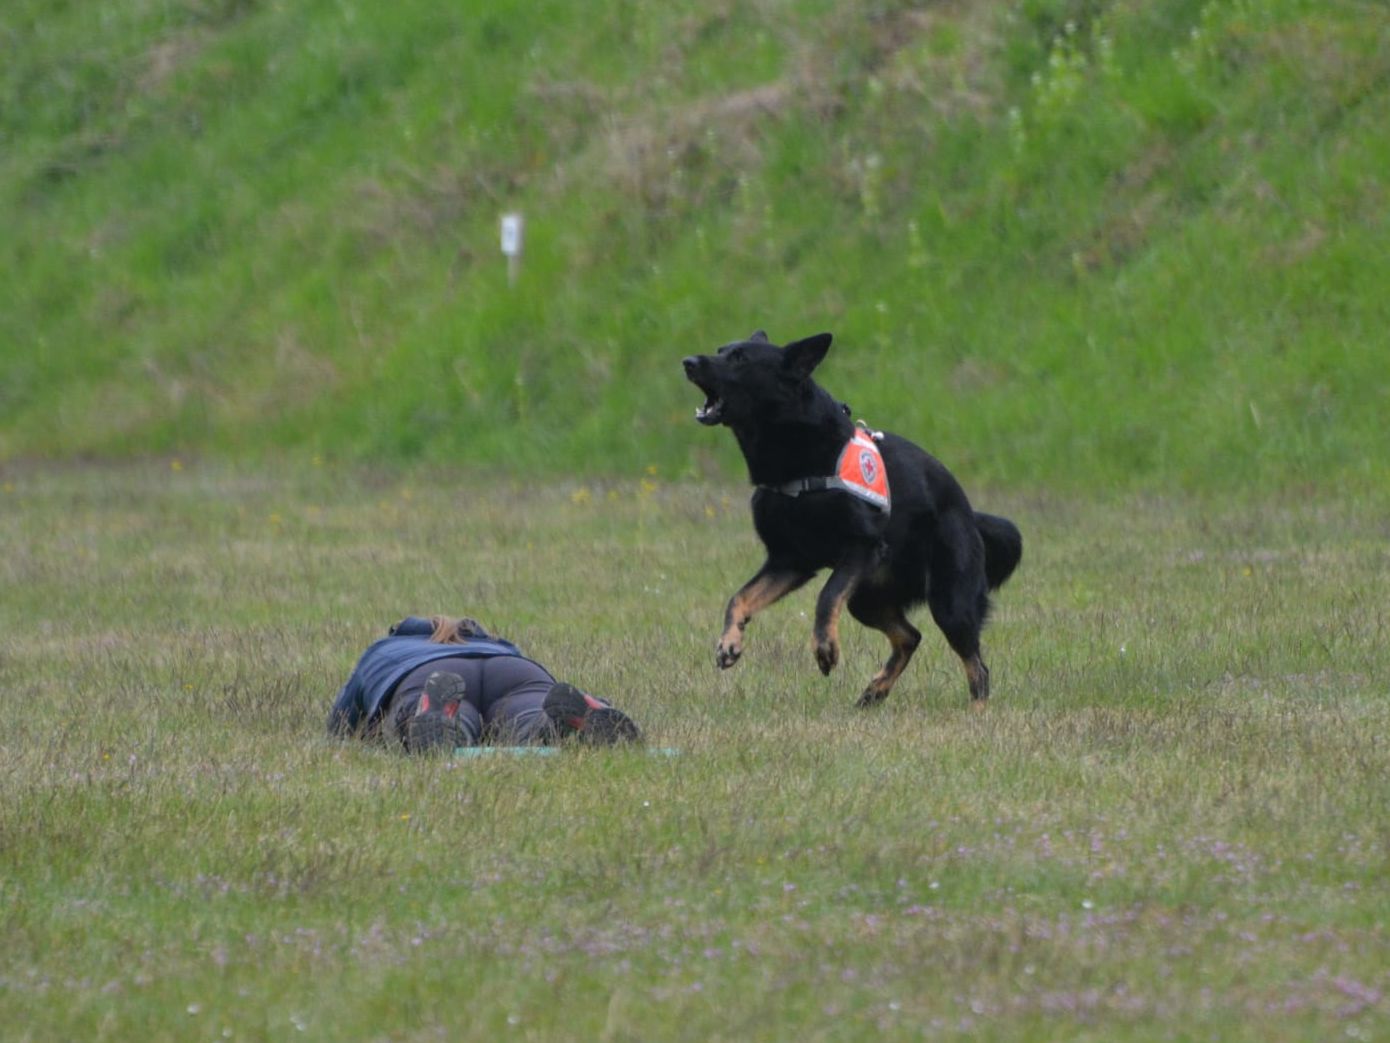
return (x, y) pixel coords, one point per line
(1081, 244)
(1169, 823)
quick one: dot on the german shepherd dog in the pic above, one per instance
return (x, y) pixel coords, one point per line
(888, 548)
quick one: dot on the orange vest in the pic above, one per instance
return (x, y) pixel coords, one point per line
(860, 470)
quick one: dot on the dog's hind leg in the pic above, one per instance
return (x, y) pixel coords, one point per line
(768, 586)
(961, 618)
(902, 635)
(958, 595)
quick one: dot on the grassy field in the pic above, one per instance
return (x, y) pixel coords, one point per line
(256, 341)
(1170, 823)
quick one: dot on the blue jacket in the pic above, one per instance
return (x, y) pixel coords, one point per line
(385, 662)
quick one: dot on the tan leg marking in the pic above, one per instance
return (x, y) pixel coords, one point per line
(904, 638)
(825, 640)
(754, 596)
(977, 674)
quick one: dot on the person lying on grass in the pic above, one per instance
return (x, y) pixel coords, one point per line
(439, 683)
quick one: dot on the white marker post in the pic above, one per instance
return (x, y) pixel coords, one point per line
(511, 244)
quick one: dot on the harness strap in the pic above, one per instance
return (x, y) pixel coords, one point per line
(859, 472)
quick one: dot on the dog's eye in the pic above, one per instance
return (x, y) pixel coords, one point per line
(738, 356)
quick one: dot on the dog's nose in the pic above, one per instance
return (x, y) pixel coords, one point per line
(691, 363)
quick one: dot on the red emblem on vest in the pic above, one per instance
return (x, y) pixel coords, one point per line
(868, 467)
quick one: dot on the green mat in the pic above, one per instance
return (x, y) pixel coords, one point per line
(543, 751)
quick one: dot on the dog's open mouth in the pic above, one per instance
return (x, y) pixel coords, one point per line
(712, 412)
(713, 409)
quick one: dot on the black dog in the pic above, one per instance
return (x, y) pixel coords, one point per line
(822, 502)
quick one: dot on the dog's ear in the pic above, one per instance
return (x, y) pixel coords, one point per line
(757, 337)
(803, 356)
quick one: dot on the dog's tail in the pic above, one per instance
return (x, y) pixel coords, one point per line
(1003, 547)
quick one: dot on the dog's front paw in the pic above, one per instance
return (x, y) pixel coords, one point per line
(727, 652)
(827, 655)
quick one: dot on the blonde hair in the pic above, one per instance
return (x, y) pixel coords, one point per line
(455, 630)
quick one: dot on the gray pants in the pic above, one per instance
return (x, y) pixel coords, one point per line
(503, 704)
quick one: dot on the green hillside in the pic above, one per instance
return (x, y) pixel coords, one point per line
(1082, 243)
